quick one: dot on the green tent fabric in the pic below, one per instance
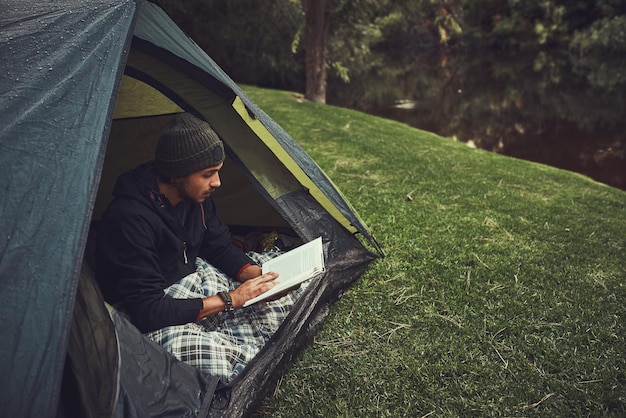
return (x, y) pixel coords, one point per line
(86, 85)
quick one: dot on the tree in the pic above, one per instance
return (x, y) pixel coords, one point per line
(339, 35)
(317, 18)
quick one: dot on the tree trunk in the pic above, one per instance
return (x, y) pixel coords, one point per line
(317, 26)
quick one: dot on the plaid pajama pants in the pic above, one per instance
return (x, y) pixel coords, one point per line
(221, 345)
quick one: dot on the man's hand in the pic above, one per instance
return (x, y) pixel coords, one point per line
(253, 287)
(249, 272)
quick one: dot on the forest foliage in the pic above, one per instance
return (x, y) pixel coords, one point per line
(261, 42)
(503, 74)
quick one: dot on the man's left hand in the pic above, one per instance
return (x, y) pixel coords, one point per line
(249, 272)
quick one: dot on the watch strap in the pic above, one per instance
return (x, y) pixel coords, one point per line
(228, 301)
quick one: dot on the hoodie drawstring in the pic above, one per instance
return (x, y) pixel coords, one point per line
(203, 221)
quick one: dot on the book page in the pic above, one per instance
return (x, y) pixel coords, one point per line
(293, 267)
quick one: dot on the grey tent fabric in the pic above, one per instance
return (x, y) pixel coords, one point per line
(113, 370)
(54, 121)
(63, 353)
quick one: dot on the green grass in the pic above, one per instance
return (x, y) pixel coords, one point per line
(503, 290)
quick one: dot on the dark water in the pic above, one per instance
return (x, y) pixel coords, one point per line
(542, 106)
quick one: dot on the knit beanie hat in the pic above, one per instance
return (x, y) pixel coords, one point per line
(186, 146)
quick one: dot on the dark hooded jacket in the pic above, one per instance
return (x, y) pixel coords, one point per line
(144, 245)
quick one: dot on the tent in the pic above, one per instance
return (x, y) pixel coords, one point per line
(85, 85)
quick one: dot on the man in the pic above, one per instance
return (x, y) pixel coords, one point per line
(165, 258)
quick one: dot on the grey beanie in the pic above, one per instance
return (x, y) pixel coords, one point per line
(186, 146)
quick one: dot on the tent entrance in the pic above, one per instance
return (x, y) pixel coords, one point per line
(132, 141)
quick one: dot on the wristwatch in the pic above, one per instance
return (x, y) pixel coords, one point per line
(227, 300)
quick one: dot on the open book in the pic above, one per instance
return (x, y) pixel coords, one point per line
(293, 267)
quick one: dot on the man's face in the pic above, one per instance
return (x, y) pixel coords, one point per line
(199, 185)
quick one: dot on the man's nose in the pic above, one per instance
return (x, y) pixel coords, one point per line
(216, 181)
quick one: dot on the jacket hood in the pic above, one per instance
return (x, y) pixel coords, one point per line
(139, 184)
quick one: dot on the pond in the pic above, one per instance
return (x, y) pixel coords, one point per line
(543, 106)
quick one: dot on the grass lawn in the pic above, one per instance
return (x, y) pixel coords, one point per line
(502, 293)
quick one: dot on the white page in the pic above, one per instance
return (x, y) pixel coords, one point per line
(293, 267)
